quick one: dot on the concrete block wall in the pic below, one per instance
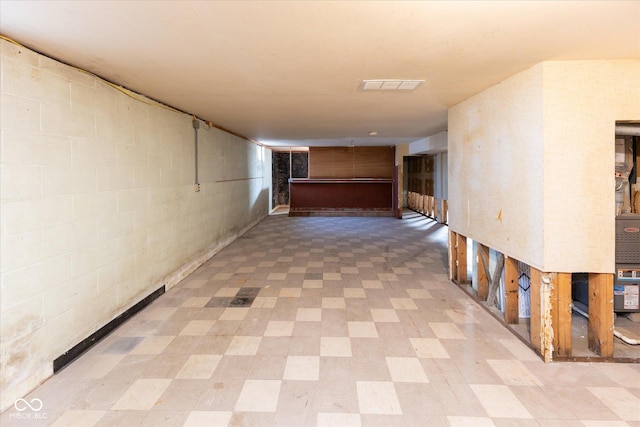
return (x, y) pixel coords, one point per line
(98, 207)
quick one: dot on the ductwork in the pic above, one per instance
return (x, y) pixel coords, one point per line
(628, 129)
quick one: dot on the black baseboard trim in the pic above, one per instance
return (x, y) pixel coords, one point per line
(92, 339)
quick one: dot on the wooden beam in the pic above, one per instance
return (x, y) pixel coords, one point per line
(561, 314)
(435, 208)
(535, 309)
(445, 212)
(601, 314)
(483, 275)
(511, 309)
(462, 260)
(453, 255)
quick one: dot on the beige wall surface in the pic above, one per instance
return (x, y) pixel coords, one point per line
(495, 192)
(531, 163)
(582, 101)
(99, 208)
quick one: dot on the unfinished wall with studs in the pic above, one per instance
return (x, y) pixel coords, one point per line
(531, 163)
(99, 208)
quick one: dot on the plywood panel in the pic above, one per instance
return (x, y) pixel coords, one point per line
(351, 162)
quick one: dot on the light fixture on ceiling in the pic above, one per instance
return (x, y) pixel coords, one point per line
(373, 133)
(390, 84)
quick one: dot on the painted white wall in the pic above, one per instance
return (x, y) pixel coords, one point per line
(531, 163)
(430, 145)
(99, 208)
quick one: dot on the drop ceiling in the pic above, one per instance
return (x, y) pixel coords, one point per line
(290, 73)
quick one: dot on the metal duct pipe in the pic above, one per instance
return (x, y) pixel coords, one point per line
(628, 129)
(196, 126)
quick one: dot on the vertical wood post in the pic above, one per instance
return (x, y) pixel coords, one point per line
(561, 314)
(483, 276)
(535, 309)
(435, 208)
(601, 314)
(462, 260)
(453, 255)
(511, 309)
(445, 212)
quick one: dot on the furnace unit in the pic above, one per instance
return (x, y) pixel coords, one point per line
(626, 290)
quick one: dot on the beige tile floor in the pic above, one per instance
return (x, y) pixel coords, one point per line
(353, 323)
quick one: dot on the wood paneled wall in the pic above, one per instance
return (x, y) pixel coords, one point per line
(351, 162)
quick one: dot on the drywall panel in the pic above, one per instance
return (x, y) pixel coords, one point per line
(531, 163)
(495, 167)
(433, 144)
(582, 101)
(98, 206)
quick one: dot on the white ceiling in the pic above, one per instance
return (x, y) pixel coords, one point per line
(289, 72)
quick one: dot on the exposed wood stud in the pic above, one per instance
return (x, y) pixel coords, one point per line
(546, 332)
(601, 314)
(483, 273)
(462, 260)
(561, 314)
(453, 255)
(534, 309)
(511, 309)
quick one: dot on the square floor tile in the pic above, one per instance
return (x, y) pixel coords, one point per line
(290, 292)
(226, 292)
(243, 346)
(83, 418)
(403, 304)
(208, 418)
(199, 367)
(372, 284)
(154, 344)
(447, 330)
(354, 293)
(377, 397)
(279, 328)
(418, 293)
(309, 315)
(302, 368)
(429, 348)
(406, 370)
(142, 395)
(335, 347)
(333, 302)
(331, 276)
(197, 327)
(259, 396)
(362, 329)
(384, 315)
(312, 284)
(234, 313)
(336, 419)
(277, 276)
(499, 401)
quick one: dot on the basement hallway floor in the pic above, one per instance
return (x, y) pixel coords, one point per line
(327, 322)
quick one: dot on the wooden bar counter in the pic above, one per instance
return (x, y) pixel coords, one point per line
(341, 197)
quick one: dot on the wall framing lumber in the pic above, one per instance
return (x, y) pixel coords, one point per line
(453, 255)
(561, 314)
(535, 324)
(462, 259)
(483, 275)
(601, 314)
(511, 312)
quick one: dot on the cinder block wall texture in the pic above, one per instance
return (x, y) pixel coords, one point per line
(98, 206)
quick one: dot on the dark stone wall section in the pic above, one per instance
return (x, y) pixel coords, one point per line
(280, 174)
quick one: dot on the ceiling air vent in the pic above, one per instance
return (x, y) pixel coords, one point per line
(390, 84)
